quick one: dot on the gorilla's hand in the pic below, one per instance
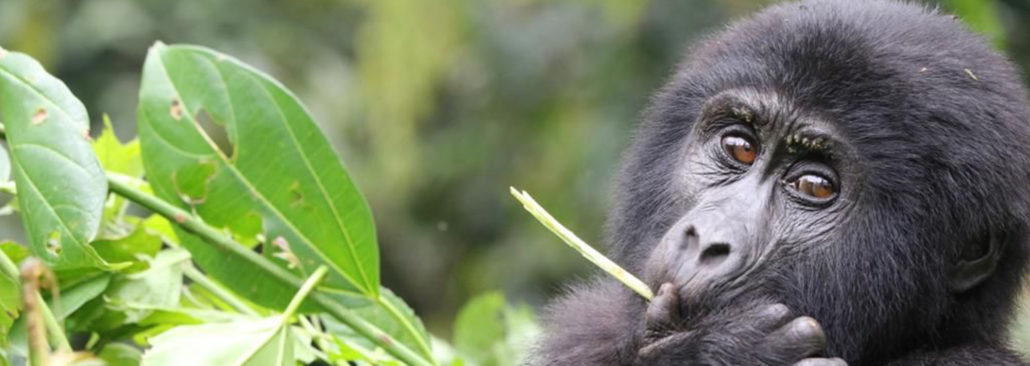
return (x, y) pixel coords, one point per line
(761, 335)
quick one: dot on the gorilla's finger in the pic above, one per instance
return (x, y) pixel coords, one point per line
(660, 346)
(663, 311)
(768, 317)
(802, 337)
(821, 362)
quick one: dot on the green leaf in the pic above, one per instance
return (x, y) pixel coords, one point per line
(10, 298)
(133, 248)
(258, 342)
(14, 251)
(61, 187)
(120, 354)
(158, 286)
(489, 332)
(479, 327)
(74, 297)
(294, 186)
(115, 156)
(392, 316)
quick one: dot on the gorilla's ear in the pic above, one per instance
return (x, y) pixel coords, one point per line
(978, 261)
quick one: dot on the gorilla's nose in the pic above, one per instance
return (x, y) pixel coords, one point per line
(712, 250)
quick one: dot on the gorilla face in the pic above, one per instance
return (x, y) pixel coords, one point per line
(763, 180)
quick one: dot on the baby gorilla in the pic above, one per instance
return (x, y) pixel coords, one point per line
(829, 182)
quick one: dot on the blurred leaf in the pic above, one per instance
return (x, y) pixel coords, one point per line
(158, 286)
(10, 298)
(380, 315)
(308, 206)
(258, 342)
(14, 251)
(489, 332)
(479, 327)
(5, 166)
(982, 17)
(158, 225)
(115, 156)
(133, 248)
(74, 297)
(60, 183)
(120, 354)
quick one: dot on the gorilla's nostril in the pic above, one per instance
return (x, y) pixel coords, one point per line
(690, 231)
(715, 253)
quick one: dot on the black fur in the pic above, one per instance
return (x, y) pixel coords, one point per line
(941, 135)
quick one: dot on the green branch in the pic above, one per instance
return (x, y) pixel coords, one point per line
(215, 237)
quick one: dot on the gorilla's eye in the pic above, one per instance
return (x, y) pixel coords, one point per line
(740, 149)
(813, 186)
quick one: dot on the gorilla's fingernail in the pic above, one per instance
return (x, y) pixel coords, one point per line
(777, 311)
(807, 327)
(664, 288)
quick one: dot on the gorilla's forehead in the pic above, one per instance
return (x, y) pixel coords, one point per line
(886, 74)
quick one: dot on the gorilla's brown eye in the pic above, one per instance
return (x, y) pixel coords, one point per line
(813, 186)
(740, 149)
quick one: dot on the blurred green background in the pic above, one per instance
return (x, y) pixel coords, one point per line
(436, 107)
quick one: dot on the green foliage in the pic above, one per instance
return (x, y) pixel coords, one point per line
(279, 176)
(277, 189)
(62, 186)
(489, 332)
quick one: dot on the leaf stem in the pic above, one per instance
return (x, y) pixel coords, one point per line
(214, 237)
(220, 292)
(305, 289)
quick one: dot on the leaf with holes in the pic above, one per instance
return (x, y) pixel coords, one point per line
(212, 128)
(61, 187)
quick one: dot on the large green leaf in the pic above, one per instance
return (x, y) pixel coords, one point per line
(279, 175)
(61, 187)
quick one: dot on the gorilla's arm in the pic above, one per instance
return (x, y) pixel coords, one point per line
(962, 356)
(594, 324)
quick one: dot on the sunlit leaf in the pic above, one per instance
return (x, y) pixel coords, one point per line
(115, 156)
(277, 173)
(61, 187)
(260, 342)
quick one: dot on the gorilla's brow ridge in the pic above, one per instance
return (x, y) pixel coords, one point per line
(768, 112)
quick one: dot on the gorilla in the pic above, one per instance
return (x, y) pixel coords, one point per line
(828, 182)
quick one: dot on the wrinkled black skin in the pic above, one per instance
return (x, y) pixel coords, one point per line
(933, 167)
